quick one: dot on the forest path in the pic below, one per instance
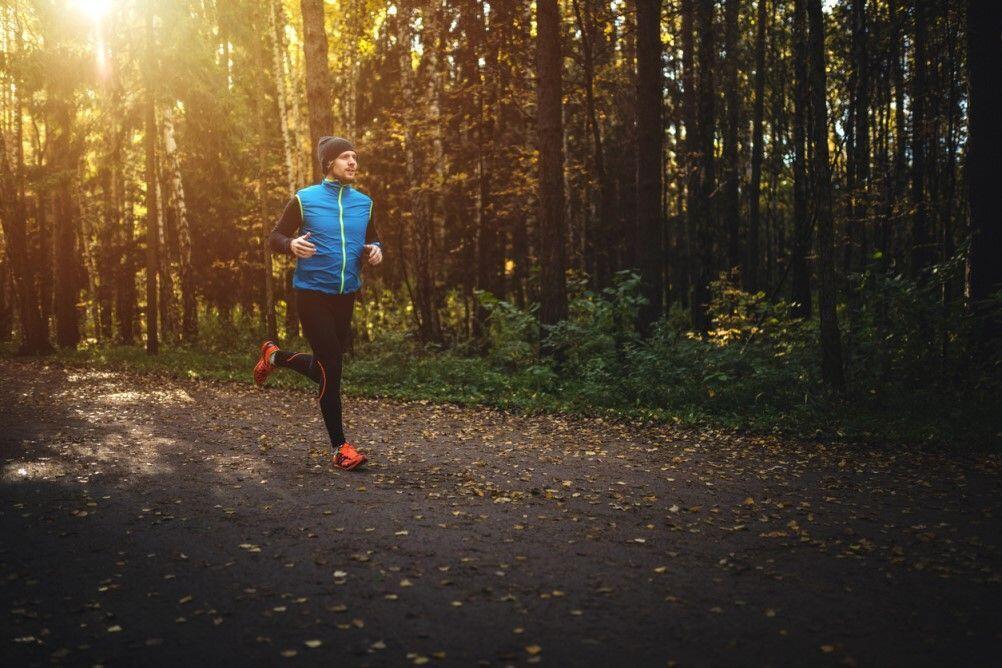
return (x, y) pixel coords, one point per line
(153, 521)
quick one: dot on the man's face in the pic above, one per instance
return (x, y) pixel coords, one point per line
(344, 167)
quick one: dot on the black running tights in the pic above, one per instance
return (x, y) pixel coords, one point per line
(326, 321)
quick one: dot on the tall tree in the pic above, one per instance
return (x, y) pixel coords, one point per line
(553, 282)
(984, 197)
(650, 140)
(599, 231)
(318, 77)
(732, 96)
(288, 109)
(152, 213)
(802, 223)
(65, 239)
(922, 252)
(690, 114)
(750, 274)
(705, 165)
(175, 200)
(490, 271)
(858, 158)
(831, 340)
(34, 334)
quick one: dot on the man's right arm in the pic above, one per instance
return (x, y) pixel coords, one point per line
(286, 226)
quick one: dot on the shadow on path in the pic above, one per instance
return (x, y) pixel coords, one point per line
(158, 521)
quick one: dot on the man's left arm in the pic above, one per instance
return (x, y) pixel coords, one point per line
(372, 242)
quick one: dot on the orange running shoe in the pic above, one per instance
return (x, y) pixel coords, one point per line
(348, 457)
(264, 366)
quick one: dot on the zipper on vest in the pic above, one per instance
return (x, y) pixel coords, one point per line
(344, 252)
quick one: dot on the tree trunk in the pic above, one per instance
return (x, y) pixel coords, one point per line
(984, 196)
(922, 252)
(318, 77)
(831, 342)
(703, 213)
(488, 247)
(86, 241)
(34, 334)
(126, 286)
(900, 125)
(599, 237)
(66, 251)
(732, 95)
(282, 95)
(152, 215)
(553, 285)
(751, 278)
(858, 167)
(407, 235)
(165, 237)
(176, 200)
(650, 139)
(287, 108)
(432, 220)
(106, 249)
(802, 224)
(690, 116)
(7, 301)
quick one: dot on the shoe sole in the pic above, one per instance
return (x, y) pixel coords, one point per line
(353, 466)
(262, 361)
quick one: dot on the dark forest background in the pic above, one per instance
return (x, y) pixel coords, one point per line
(772, 214)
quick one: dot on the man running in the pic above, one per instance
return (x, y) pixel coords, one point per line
(336, 230)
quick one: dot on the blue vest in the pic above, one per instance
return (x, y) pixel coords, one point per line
(336, 217)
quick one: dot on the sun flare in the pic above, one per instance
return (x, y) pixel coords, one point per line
(96, 9)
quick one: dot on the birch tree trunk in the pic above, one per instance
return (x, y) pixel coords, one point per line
(278, 47)
(177, 204)
(407, 235)
(289, 120)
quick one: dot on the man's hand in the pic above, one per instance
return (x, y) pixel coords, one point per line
(375, 254)
(300, 247)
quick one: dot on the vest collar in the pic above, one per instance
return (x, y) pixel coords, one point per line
(333, 185)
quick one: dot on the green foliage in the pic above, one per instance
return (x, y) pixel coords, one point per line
(512, 334)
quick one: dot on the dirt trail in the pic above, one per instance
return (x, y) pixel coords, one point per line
(154, 522)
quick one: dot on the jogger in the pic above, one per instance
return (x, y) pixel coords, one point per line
(336, 228)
